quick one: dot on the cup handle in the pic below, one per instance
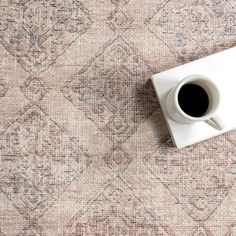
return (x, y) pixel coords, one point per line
(215, 122)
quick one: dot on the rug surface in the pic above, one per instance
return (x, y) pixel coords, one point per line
(84, 148)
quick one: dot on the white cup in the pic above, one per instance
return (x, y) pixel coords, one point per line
(177, 114)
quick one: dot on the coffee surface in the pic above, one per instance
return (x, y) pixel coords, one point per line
(193, 100)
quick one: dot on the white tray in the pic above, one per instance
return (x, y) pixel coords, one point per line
(221, 68)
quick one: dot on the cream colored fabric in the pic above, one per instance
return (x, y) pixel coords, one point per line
(84, 149)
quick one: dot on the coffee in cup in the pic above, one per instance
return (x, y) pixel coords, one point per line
(196, 98)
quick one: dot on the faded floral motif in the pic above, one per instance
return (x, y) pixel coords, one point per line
(84, 148)
(38, 32)
(38, 161)
(208, 23)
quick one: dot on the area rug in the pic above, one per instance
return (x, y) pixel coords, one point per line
(84, 148)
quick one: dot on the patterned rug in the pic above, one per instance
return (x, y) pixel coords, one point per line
(84, 148)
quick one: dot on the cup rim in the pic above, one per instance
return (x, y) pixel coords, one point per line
(189, 79)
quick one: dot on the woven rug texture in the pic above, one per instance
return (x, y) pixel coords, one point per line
(84, 148)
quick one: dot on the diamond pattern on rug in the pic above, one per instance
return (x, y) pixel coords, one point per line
(37, 162)
(113, 91)
(133, 182)
(209, 23)
(198, 181)
(37, 32)
(116, 211)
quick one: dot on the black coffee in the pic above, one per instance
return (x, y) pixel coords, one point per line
(193, 100)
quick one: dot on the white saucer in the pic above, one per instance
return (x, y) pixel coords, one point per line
(221, 68)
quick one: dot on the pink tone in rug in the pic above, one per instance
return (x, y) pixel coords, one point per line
(84, 149)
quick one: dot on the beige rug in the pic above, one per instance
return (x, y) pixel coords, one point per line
(84, 149)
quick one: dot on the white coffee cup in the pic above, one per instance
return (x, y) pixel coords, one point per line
(177, 114)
